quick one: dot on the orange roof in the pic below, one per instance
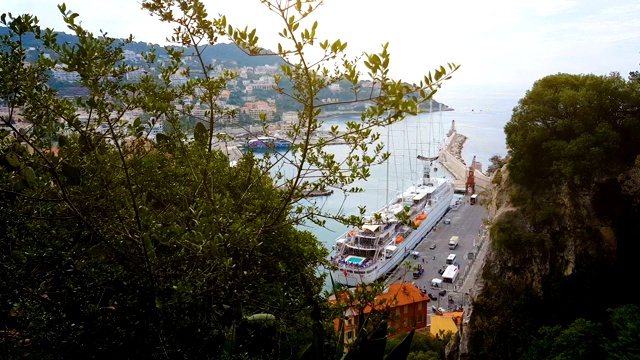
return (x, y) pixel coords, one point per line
(456, 315)
(403, 293)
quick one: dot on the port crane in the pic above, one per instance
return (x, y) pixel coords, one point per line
(471, 180)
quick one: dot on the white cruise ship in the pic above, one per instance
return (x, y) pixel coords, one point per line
(368, 253)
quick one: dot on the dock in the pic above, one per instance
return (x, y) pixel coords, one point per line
(449, 157)
(467, 222)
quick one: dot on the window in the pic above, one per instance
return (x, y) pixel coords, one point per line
(350, 335)
(420, 306)
(350, 321)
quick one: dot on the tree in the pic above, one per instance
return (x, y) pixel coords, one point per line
(623, 342)
(114, 244)
(496, 163)
(580, 340)
(573, 127)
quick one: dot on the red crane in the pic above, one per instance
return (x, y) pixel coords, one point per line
(471, 180)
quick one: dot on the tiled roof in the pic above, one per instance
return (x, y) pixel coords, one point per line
(404, 293)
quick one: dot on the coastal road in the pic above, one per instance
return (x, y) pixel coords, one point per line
(467, 224)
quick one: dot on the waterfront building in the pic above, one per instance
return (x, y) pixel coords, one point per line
(407, 303)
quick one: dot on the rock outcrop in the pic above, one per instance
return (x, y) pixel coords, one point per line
(552, 250)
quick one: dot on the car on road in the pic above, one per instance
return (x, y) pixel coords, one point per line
(432, 246)
(433, 297)
(447, 221)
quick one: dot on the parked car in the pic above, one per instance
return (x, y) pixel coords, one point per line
(432, 246)
(442, 292)
(433, 297)
(447, 221)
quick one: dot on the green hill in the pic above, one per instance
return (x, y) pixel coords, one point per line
(226, 54)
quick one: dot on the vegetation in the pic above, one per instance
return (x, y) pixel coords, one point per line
(115, 246)
(616, 338)
(566, 242)
(497, 162)
(574, 128)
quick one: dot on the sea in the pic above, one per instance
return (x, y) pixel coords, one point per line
(481, 117)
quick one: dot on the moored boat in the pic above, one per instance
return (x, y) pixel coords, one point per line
(266, 143)
(368, 253)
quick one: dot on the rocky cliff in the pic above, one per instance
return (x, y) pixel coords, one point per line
(554, 255)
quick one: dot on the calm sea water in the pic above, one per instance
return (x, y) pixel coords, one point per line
(481, 118)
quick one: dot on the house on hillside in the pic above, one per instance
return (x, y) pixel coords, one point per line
(254, 109)
(408, 307)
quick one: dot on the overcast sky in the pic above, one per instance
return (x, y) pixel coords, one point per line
(501, 45)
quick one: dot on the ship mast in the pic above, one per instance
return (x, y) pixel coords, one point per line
(386, 200)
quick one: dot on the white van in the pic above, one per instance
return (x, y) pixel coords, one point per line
(451, 259)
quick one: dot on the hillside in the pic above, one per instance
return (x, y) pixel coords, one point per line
(226, 54)
(565, 224)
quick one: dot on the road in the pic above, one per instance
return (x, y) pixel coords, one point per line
(467, 224)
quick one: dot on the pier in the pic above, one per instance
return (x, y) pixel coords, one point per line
(468, 224)
(450, 158)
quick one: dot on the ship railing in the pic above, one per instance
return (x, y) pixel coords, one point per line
(342, 264)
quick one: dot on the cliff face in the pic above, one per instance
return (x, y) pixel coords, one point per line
(553, 254)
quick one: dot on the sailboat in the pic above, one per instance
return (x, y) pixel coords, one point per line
(372, 251)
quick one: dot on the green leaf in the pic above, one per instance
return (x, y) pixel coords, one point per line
(401, 352)
(29, 176)
(200, 133)
(260, 317)
(13, 160)
(72, 173)
(62, 141)
(162, 138)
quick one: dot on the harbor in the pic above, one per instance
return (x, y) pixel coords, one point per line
(468, 224)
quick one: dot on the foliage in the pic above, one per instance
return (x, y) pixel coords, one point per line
(308, 77)
(581, 340)
(617, 338)
(423, 346)
(570, 128)
(496, 164)
(623, 342)
(573, 140)
(421, 355)
(117, 246)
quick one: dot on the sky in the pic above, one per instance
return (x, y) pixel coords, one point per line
(502, 46)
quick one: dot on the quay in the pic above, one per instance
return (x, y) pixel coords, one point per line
(450, 158)
(468, 223)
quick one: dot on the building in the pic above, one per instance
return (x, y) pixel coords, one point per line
(61, 74)
(254, 109)
(444, 323)
(265, 83)
(408, 307)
